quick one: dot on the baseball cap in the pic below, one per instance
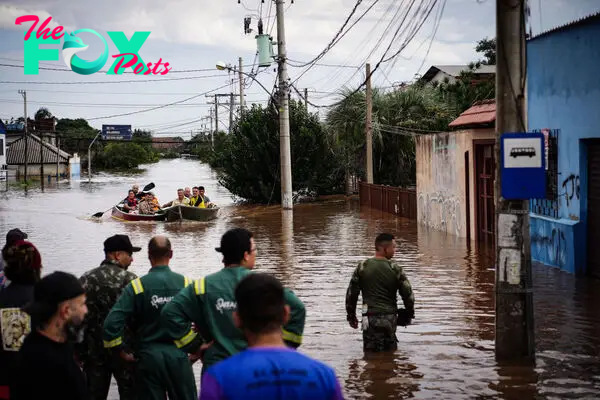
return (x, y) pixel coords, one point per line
(119, 243)
(14, 235)
(52, 290)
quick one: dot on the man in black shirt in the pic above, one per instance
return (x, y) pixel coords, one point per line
(47, 354)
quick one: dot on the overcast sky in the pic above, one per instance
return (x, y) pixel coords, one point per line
(196, 34)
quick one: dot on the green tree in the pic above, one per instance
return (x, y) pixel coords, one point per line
(43, 113)
(249, 157)
(76, 134)
(488, 48)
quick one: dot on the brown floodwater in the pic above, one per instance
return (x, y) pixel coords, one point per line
(448, 353)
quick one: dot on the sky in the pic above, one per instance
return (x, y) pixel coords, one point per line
(194, 35)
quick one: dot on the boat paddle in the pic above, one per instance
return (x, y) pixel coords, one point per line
(147, 188)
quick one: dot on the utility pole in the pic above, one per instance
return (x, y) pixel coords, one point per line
(24, 94)
(57, 158)
(306, 98)
(231, 101)
(369, 126)
(514, 298)
(216, 113)
(284, 112)
(42, 160)
(241, 78)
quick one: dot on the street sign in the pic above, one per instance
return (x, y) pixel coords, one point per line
(116, 132)
(523, 166)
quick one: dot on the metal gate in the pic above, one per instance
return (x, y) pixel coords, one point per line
(485, 175)
(593, 215)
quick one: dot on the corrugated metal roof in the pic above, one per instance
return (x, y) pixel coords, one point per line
(482, 113)
(584, 20)
(455, 70)
(15, 154)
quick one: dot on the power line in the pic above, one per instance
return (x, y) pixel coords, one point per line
(182, 71)
(112, 82)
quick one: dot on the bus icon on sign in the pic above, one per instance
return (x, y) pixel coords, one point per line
(522, 152)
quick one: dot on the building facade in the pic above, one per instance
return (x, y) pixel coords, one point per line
(563, 94)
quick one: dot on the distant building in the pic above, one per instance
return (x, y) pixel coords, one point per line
(441, 73)
(168, 143)
(2, 151)
(54, 159)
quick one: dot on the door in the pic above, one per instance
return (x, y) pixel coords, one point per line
(468, 196)
(485, 178)
(593, 215)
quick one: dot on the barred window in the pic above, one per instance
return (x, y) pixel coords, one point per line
(549, 206)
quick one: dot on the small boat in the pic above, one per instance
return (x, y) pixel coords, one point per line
(180, 212)
(121, 215)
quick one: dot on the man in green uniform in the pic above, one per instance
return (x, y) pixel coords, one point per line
(210, 302)
(379, 279)
(161, 367)
(103, 286)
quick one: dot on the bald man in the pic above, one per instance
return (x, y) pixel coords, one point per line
(161, 367)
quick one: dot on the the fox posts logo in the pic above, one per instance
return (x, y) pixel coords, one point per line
(128, 56)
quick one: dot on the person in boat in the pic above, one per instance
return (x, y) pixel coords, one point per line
(154, 201)
(195, 196)
(136, 190)
(131, 202)
(180, 200)
(205, 201)
(146, 207)
(187, 192)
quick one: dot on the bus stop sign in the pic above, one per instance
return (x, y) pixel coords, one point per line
(523, 166)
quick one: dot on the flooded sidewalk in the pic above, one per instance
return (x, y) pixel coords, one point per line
(448, 352)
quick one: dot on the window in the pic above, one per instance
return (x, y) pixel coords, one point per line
(1, 147)
(549, 206)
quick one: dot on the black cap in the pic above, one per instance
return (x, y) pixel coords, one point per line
(53, 289)
(14, 235)
(119, 243)
(233, 240)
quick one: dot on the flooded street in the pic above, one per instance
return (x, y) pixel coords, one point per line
(448, 352)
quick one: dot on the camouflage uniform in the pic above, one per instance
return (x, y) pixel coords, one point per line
(379, 280)
(103, 287)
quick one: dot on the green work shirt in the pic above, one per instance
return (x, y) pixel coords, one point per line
(379, 280)
(209, 304)
(140, 306)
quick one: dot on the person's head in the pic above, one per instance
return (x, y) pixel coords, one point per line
(188, 191)
(14, 235)
(180, 194)
(238, 248)
(59, 303)
(201, 190)
(118, 248)
(131, 195)
(385, 245)
(261, 307)
(195, 191)
(159, 251)
(135, 189)
(23, 263)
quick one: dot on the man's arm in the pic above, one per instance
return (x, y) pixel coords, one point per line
(177, 317)
(294, 329)
(352, 297)
(405, 291)
(115, 322)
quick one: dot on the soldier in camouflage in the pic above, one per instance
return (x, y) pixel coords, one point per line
(103, 286)
(379, 279)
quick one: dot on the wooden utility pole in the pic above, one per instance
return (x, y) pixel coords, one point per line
(42, 160)
(369, 126)
(216, 113)
(241, 78)
(57, 158)
(514, 297)
(231, 101)
(24, 94)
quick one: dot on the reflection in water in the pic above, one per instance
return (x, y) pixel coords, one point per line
(448, 353)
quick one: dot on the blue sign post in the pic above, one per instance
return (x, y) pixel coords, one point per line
(523, 166)
(116, 132)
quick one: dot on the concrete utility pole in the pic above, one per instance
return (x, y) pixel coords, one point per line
(42, 160)
(284, 112)
(241, 78)
(24, 94)
(230, 112)
(369, 126)
(216, 113)
(57, 158)
(514, 297)
(306, 99)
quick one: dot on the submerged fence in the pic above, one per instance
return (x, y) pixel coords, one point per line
(394, 200)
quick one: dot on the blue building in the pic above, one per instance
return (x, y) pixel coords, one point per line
(563, 92)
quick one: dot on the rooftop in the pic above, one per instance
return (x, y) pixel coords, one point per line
(15, 154)
(481, 113)
(455, 70)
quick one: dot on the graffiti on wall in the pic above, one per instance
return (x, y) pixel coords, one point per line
(549, 244)
(443, 161)
(571, 188)
(442, 212)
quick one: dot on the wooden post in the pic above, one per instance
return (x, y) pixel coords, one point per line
(369, 127)
(42, 160)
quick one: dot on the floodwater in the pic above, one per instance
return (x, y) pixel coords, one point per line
(448, 353)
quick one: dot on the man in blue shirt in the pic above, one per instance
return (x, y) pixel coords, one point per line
(268, 369)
